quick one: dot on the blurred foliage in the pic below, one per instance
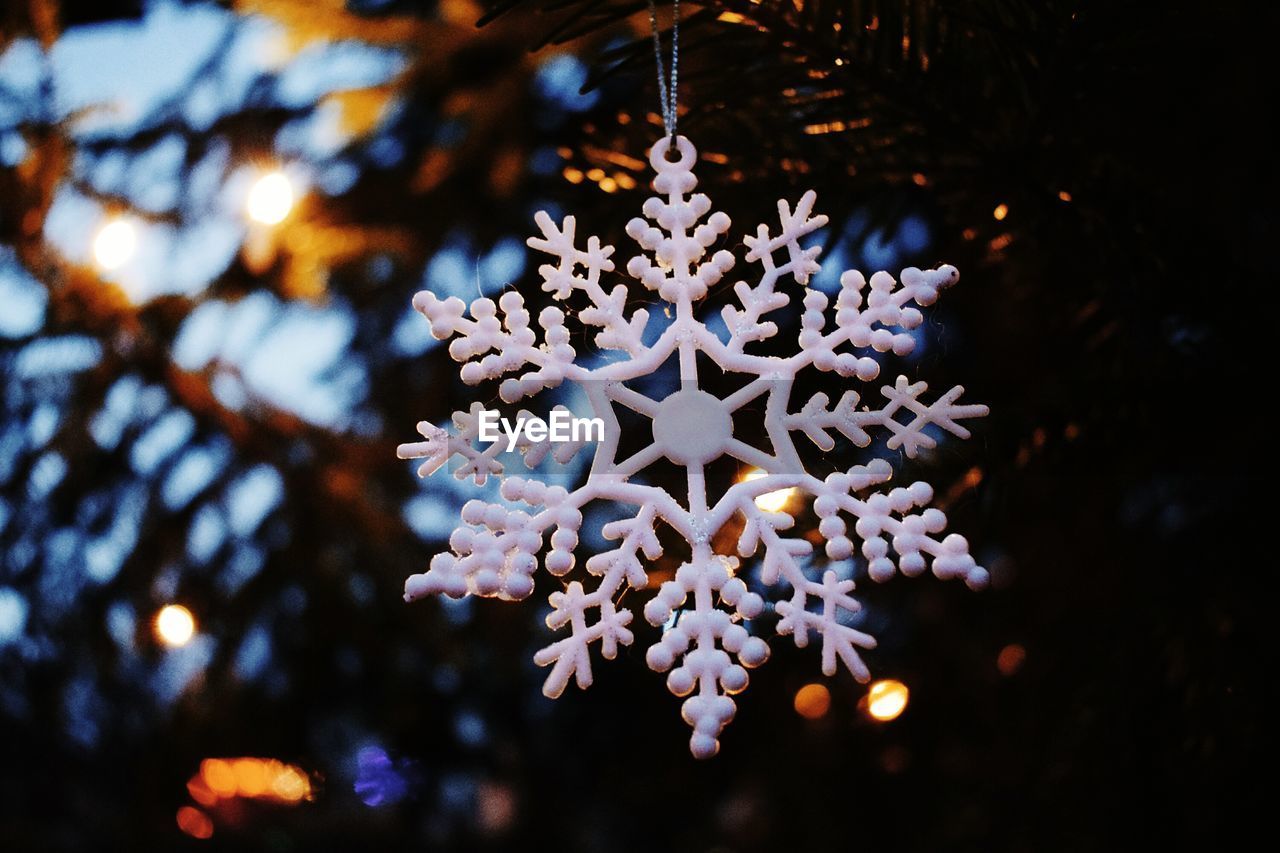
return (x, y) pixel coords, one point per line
(214, 423)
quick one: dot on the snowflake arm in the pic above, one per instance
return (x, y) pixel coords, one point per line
(615, 568)
(491, 348)
(815, 419)
(435, 450)
(439, 446)
(879, 319)
(494, 557)
(607, 309)
(479, 462)
(745, 324)
(780, 564)
(702, 641)
(838, 640)
(943, 412)
(497, 555)
(572, 655)
(536, 451)
(677, 270)
(901, 518)
(909, 535)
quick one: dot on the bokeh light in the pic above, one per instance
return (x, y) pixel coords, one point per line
(379, 780)
(218, 777)
(495, 807)
(1001, 211)
(175, 626)
(290, 784)
(887, 699)
(774, 501)
(813, 701)
(1010, 659)
(194, 822)
(115, 243)
(270, 199)
(249, 778)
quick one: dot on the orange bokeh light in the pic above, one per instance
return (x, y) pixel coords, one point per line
(218, 776)
(813, 701)
(1010, 659)
(887, 699)
(249, 778)
(194, 822)
(200, 792)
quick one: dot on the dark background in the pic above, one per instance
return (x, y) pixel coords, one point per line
(1116, 331)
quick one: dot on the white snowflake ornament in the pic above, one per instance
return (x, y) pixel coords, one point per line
(706, 644)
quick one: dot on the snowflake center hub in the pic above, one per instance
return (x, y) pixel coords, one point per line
(692, 427)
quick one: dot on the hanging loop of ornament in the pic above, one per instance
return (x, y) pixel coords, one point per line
(668, 79)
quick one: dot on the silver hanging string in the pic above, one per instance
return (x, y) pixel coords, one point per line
(668, 81)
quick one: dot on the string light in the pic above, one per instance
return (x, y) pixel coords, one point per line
(887, 699)
(769, 501)
(270, 199)
(1001, 211)
(174, 625)
(115, 243)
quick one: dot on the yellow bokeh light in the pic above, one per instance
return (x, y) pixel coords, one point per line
(1001, 211)
(774, 501)
(115, 244)
(291, 784)
(271, 199)
(813, 701)
(887, 699)
(175, 626)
